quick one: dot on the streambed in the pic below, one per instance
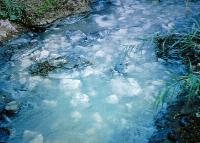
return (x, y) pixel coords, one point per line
(92, 78)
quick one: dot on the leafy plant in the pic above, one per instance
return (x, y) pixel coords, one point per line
(10, 9)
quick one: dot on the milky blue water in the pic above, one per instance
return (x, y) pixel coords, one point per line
(105, 92)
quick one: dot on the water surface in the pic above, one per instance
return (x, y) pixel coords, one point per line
(105, 92)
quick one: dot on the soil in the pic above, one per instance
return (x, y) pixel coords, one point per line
(181, 123)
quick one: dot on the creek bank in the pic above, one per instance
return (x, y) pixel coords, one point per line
(180, 121)
(35, 15)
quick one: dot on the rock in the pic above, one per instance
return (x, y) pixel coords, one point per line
(44, 68)
(9, 29)
(184, 122)
(32, 137)
(4, 134)
(12, 107)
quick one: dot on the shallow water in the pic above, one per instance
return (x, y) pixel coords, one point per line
(105, 93)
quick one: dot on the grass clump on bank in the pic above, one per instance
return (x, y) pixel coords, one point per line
(180, 122)
(186, 48)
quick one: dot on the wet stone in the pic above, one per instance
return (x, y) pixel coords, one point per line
(12, 107)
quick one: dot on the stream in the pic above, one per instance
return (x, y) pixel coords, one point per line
(93, 77)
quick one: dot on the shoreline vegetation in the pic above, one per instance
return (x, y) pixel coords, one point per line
(180, 122)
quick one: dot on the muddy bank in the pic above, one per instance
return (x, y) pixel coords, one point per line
(34, 15)
(180, 123)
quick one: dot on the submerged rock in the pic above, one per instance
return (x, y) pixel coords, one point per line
(32, 137)
(41, 69)
(69, 62)
(76, 36)
(12, 107)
